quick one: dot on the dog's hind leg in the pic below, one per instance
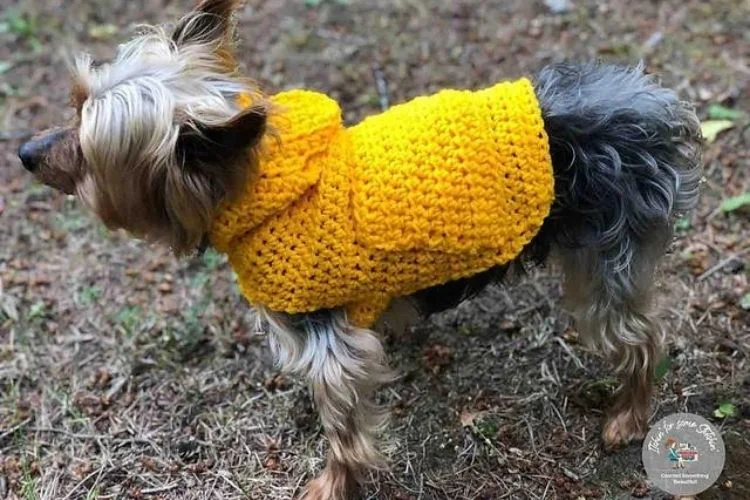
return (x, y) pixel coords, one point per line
(626, 157)
(615, 315)
(343, 365)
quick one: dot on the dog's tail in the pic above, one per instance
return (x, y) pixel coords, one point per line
(625, 153)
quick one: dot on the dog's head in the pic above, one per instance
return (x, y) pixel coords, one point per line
(160, 136)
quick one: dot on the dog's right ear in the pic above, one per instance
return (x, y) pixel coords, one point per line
(212, 163)
(216, 146)
(210, 22)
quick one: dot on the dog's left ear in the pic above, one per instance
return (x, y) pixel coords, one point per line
(210, 22)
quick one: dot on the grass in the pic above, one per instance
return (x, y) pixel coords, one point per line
(128, 318)
(89, 294)
(22, 26)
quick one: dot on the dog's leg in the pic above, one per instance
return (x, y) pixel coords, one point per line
(614, 314)
(626, 157)
(343, 365)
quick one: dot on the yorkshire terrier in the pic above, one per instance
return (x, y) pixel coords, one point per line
(428, 202)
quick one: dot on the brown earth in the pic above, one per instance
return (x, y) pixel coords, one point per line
(126, 374)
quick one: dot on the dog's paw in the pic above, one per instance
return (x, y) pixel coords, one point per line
(622, 428)
(329, 486)
(317, 489)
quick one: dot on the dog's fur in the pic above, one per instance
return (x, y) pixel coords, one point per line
(160, 140)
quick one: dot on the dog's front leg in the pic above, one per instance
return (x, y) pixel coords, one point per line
(343, 365)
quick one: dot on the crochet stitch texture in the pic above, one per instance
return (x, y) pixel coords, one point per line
(436, 189)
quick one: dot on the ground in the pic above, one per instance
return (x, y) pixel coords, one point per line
(127, 374)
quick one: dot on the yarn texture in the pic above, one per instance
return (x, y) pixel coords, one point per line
(436, 189)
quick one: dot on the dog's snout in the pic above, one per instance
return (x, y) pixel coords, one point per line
(32, 151)
(28, 153)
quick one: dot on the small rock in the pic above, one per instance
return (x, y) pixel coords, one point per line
(705, 94)
(640, 490)
(559, 6)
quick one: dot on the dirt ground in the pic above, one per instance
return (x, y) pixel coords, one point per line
(127, 374)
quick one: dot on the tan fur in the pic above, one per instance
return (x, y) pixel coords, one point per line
(131, 122)
(63, 167)
(336, 482)
(150, 126)
(628, 334)
(343, 365)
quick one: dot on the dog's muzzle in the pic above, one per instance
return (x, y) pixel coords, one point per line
(31, 152)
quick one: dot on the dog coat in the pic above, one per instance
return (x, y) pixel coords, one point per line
(436, 189)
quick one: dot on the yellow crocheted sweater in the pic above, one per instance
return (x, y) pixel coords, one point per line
(433, 190)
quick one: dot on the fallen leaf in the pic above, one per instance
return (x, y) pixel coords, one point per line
(735, 202)
(745, 302)
(275, 383)
(81, 470)
(725, 410)
(719, 112)
(712, 128)
(467, 418)
(640, 490)
(150, 464)
(437, 357)
(102, 31)
(271, 462)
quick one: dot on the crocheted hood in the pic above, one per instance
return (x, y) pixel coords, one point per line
(433, 190)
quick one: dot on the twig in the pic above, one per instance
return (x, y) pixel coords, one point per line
(723, 263)
(382, 85)
(160, 489)
(569, 351)
(71, 434)
(14, 429)
(70, 493)
(103, 437)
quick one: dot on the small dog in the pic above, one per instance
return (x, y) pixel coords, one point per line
(174, 145)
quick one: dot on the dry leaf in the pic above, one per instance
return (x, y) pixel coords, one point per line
(467, 418)
(712, 128)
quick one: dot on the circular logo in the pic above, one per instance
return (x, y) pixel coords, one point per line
(683, 454)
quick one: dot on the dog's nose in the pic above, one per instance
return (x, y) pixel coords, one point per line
(29, 155)
(32, 152)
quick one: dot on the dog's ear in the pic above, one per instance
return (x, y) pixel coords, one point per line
(210, 22)
(212, 146)
(212, 164)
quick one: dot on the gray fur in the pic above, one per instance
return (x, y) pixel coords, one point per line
(625, 154)
(626, 157)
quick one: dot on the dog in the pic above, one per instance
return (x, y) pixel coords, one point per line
(172, 143)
